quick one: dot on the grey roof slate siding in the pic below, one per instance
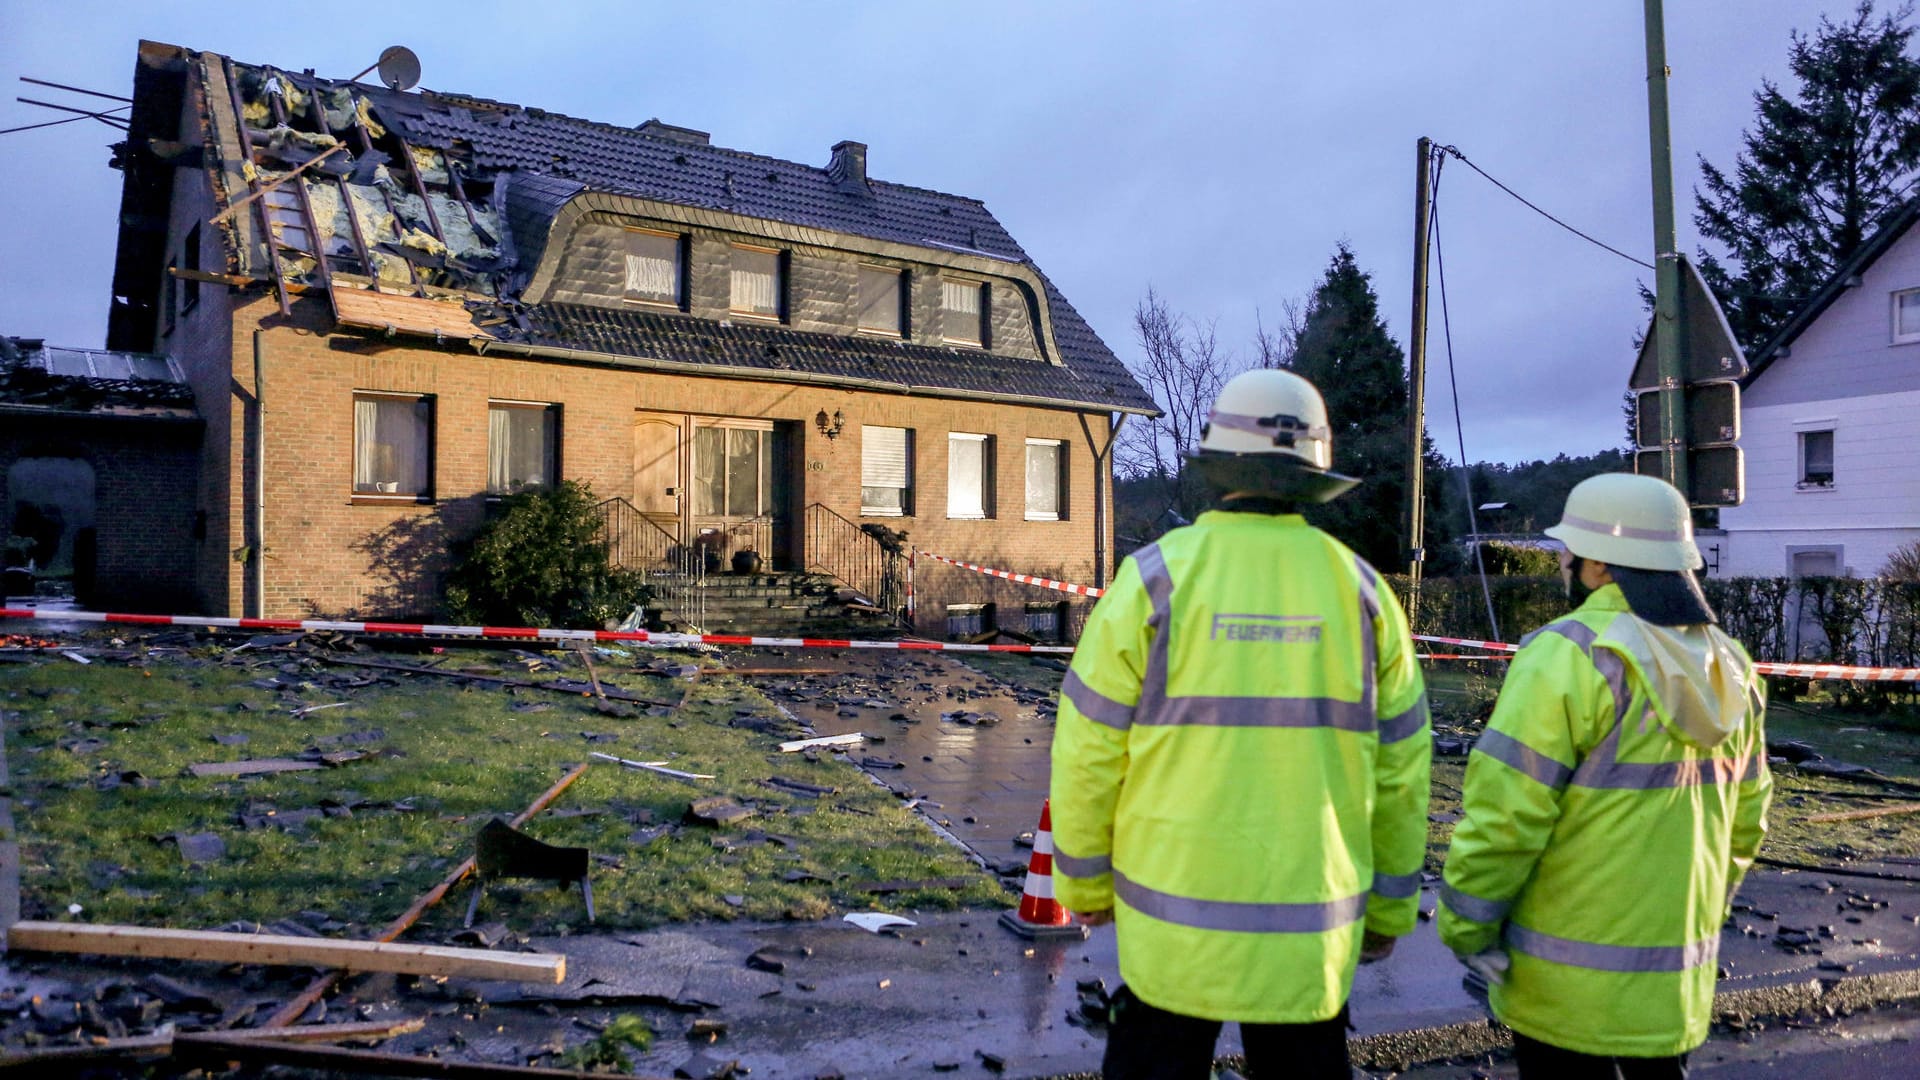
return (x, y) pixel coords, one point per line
(544, 160)
(776, 351)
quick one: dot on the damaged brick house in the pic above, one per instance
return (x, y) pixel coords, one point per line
(392, 306)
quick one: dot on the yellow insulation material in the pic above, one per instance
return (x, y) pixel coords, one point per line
(374, 128)
(422, 241)
(428, 163)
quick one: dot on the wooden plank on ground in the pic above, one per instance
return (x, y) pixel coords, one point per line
(1878, 811)
(207, 1048)
(223, 948)
(356, 1030)
(56, 1060)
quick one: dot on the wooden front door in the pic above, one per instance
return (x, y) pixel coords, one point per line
(658, 476)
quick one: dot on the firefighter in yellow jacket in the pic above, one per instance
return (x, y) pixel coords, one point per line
(1613, 804)
(1241, 760)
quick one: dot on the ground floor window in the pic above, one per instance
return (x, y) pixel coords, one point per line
(393, 445)
(732, 471)
(969, 475)
(1046, 479)
(969, 620)
(886, 471)
(523, 446)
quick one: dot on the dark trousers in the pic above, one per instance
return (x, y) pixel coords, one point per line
(1539, 1061)
(1147, 1043)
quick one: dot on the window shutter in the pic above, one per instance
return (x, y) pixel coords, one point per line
(883, 457)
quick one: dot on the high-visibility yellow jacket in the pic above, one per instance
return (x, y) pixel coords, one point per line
(1612, 806)
(1240, 769)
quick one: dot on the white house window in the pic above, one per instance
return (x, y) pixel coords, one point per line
(886, 471)
(881, 289)
(1906, 316)
(963, 312)
(523, 446)
(1046, 480)
(969, 475)
(653, 267)
(758, 285)
(732, 471)
(1816, 459)
(393, 445)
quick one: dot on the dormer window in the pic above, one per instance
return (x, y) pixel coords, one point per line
(882, 289)
(654, 264)
(759, 282)
(963, 312)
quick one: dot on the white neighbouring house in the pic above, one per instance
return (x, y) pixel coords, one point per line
(1830, 422)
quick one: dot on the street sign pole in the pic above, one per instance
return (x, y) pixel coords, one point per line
(1669, 342)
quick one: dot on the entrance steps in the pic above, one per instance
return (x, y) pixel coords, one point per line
(776, 604)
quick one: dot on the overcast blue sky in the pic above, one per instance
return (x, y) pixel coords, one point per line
(1215, 151)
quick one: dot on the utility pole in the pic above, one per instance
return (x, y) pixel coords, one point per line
(1669, 343)
(1416, 520)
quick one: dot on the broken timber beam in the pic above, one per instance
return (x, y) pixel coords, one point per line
(238, 281)
(1878, 811)
(203, 1048)
(317, 989)
(210, 946)
(569, 688)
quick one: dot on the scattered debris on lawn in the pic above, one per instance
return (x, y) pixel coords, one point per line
(850, 739)
(654, 766)
(716, 810)
(503, 851)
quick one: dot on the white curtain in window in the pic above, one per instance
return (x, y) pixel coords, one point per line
(756, 282)
(884, 469)
(390, 446)
(653, 267)
(520, 448)
(961, 297)
(966, 476)
(710, 471)
(1043, 480)
(879, 299)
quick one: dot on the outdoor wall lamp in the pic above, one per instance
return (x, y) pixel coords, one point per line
(829, 427)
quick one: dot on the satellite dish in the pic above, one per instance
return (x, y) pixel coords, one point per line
(399, 68)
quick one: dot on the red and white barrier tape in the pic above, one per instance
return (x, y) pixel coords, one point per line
(1026, 579)
(1764, 667)
(641, 637)
(648, 637)
(1498, 646)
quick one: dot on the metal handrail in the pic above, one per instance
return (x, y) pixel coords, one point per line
(857, 558)
(677, 571)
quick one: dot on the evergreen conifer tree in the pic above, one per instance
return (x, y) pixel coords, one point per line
(1818, 171)
(1343, 348)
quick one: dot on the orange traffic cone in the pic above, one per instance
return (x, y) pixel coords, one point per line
(1039, 914)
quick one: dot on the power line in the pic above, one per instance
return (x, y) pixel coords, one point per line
(1529, 204)
(1453, 386)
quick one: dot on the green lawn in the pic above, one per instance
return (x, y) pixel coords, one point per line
(451, 756)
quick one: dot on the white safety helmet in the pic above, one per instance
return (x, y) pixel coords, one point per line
(1269, 411)
(1268, 436)
(1621, 519)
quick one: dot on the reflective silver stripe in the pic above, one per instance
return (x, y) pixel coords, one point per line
(1648, 775)
(1369, 645)
(1510, 751)
(1755, 764)
(1152, 567)
(1477, 908)
(1238, 915)
(1407, 724)
(1274, 712)
(1627, 531)
(1094, 705)
(1090, 867)
(1612, 957)
(1605, 661)
(1396, 886)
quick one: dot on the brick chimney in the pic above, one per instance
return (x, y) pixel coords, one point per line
(849, 167)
